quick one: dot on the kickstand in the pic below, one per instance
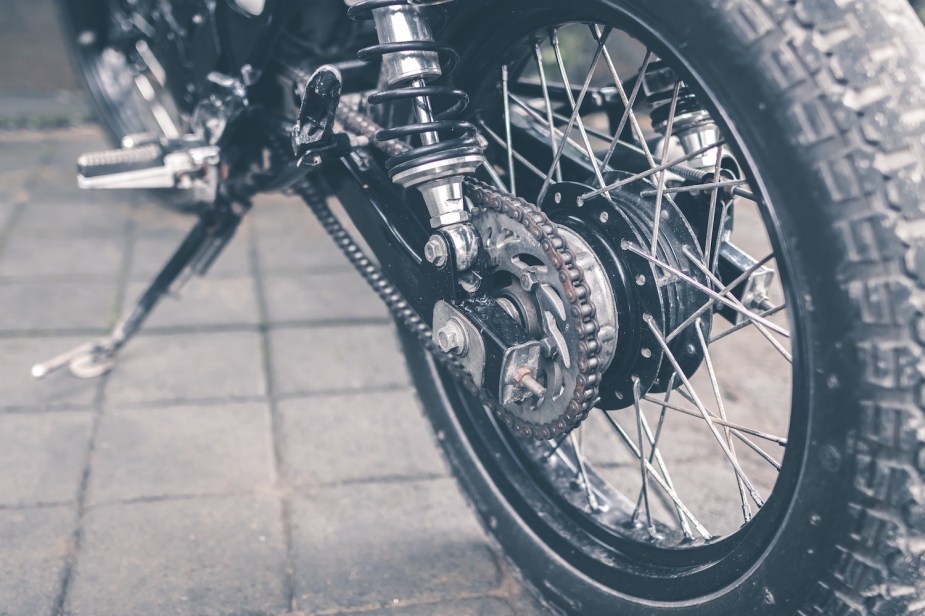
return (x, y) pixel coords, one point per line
(198, 251)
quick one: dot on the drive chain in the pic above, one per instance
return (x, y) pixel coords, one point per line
(534, 222)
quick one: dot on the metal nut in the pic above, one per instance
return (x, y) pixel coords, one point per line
(436, 251)
(528, 280)
(451, 338)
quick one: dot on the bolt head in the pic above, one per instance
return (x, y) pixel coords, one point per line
(528, 280)
(436, 251)
(451, 338)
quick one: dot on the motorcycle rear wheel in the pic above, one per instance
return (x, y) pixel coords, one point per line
(826, 102)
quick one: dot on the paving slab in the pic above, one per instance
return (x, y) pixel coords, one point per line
(10, 202)
(42, 456)
(46, 306)
(204, 557)
(341, 358)
(297, 252)
(34, 542)
(23, 154)
(322, 296)
(481, 606)
(150, 253)
(62, 257)
(382, 435)
(203, 302)
(65, 145)
(182, 451)
(376, 544)
(58, 390)
(188, 366)
(275, 215)
(66, 217)
(157, 216)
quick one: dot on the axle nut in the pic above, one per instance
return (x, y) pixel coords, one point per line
(436, 251)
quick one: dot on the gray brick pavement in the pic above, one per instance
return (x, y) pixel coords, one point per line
(258, 450)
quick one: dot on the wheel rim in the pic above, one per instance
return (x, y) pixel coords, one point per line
(559, 500)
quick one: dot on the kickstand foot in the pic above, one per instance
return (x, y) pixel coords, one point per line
(195, 255)
(87, 361)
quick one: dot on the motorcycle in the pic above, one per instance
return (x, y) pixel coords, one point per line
(656, 266)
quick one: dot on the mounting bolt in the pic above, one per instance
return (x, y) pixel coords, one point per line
(528, 280)
(451, 338)
(524, 376)
(436, 251)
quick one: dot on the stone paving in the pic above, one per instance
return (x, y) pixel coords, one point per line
(258, 450)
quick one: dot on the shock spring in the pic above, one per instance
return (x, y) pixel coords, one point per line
(413, 64)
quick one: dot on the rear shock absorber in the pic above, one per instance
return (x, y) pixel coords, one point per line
(411, 62)
(693, 126)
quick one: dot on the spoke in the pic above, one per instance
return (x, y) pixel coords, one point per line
(660, 187)
(744, 324)
(644, 174)
(695, 187)
(596, 133)
(628, 102)
(643, 468)
(711, 220)
(703, 411)
(702, 287)
(555, 448)
(760, 322)
(517, 155)
(728, 288)
(545, 86)
(533, 113)
(655, 454)
(741, 436)
(576, 108)
(761, 452)
(714, 383)
(734, 427)
(495, 178)
(745, 194)
(576, 447)
(507, 129)
(658, 478)
(554, 38)
(600, 498)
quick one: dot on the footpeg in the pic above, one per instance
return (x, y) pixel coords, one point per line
(313, 136)
(185, 164)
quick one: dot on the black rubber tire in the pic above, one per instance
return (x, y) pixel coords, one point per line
(111, 99)
(829, 97)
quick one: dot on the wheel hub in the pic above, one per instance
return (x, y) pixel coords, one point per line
(638, 288)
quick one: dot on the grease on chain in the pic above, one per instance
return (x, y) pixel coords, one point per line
(538, 225)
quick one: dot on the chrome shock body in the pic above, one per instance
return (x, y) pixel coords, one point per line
(411, 64)
(693, 125)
